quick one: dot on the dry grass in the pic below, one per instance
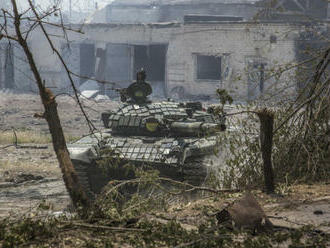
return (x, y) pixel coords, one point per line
(43, 168)
(8, 137)
(27, 136)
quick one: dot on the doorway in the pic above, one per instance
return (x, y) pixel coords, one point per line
(9, 68)
(152, 58)
(87, 61)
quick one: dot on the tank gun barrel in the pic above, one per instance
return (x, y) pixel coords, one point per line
(194, 128)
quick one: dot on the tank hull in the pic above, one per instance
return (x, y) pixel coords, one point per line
(183, 159)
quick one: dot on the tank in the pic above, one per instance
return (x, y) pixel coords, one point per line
(179, 139)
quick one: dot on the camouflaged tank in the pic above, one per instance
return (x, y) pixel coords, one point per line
(178, 139)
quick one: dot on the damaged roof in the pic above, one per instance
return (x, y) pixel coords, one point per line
(177, 2)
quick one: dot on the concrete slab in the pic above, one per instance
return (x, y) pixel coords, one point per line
(89, 85)
(102, 98)
(89, 93)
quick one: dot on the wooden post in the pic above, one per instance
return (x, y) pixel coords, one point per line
(266, 142)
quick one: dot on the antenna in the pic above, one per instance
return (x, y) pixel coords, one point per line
(70, 10)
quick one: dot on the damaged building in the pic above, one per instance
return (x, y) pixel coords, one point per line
(188, 48)
(15, 73)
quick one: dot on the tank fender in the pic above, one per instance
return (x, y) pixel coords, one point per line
(84, 154)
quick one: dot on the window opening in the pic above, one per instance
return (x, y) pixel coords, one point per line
(208, 67)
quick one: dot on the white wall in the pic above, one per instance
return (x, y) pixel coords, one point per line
(237, 40)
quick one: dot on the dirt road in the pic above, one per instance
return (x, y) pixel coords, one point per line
(30, 176)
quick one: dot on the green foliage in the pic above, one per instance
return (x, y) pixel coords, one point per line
(300, 145)
(298, 154)
(224, 96)
(151, 227)
(301, 151)
(122, 200)
(241, 145)
(25, 230)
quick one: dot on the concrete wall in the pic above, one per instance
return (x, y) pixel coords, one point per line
(235, 43)
(168, 13)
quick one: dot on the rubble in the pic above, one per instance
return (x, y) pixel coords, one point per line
(99, 98)
(245, 213)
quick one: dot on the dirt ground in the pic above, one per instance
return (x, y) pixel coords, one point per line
(30, 177)
(17, 110)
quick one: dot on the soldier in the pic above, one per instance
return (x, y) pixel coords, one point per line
(139, 90)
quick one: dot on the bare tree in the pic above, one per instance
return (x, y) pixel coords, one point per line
(48, 100)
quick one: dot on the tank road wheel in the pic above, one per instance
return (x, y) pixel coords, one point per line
(177, 92)
(195, 171)
(94, 178)
(82, 173)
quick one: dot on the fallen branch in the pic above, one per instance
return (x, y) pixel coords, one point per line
(111, 228)
(30, 147)
(121, 183)
(5, 147)
(198, 188)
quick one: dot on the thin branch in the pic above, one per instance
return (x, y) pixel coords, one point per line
(191, 188)
(197, 188)
(35, 22)
(4, 28)
(94, 79)
(309, 100)
(15, 135)
(111, 228)
(89, 123)
(55, 25)
(62, 26)
(5, 147)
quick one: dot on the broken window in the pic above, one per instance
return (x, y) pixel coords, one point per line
(208, 67)
(87, 61)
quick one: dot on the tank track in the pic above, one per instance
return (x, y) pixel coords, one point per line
(82, 173)
(195, 171)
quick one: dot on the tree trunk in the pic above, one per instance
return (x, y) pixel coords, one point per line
(266, 140)
(70, 178)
